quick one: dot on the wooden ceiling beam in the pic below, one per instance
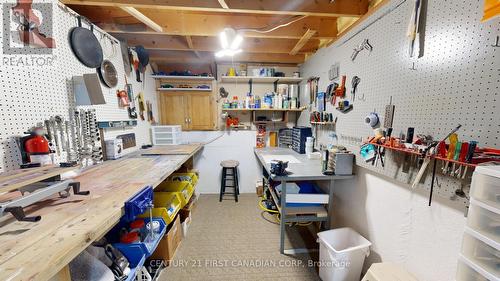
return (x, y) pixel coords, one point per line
(302, 41)
(211, 44)
(163, 57)
(189, 41)
(321, 8)
(114, 20)
(223, 4)
(142, 18)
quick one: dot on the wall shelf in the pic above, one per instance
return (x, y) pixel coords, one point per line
(323, 123)
(173, 77)
(184, 89)
(258, 79)
(263, 109)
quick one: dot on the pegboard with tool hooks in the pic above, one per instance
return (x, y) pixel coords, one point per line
(29, 95)
(457, 81)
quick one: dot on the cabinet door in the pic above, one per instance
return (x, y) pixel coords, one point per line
(173, 109)
(201, 109)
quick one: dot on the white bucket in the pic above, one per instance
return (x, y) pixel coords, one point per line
(342, 252)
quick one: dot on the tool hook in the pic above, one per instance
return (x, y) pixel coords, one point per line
(497, 42)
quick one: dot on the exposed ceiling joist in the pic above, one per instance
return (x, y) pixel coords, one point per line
(142, 18)
(223, 4)
(193, 24)
(189, 41)
(303, 40)
(162, 57)
(184, 23)
(212, 44)
(323, 8)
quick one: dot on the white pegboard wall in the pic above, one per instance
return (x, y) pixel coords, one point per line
(30, 95)
(456, 81)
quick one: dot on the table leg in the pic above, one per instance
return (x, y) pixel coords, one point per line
(282, 216)
(330, 205)
(62, 275)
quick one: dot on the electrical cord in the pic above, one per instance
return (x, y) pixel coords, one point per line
(277, 215)
(267, 29)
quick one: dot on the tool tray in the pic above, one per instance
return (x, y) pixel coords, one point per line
(183, 188)
(137, 252)
(167, 205)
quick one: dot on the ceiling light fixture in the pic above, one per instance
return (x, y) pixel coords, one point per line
(230, 42)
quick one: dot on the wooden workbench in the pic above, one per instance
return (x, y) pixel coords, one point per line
(38, 251)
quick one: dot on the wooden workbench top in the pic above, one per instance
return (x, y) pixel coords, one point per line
(37, 251)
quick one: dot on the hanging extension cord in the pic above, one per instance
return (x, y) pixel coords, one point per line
(277, 215)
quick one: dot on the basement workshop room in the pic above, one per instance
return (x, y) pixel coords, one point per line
(295, 140)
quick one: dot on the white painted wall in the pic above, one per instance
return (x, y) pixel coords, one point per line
(402, 228)
(225, 145)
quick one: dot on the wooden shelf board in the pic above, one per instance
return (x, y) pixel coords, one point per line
(323, 123)
(173, 77)
(263, 109)
(257, 79)
(184, 89)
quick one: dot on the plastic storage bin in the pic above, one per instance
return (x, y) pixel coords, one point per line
(486, 189)
(482, 252)
(167, 204)
(183, 188)
(166, 135)
(466, 272)
(484, 219)
(342, 252)
(308, 195)
(182, 176)
(136, 253)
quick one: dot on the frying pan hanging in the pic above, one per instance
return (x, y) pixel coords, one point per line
(107, 73)
(85, 45)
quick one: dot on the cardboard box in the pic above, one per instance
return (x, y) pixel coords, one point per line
(185, 225)
(185, 212)
(169, 243)
(259, 188)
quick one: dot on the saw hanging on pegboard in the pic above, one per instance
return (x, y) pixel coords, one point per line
(142, 105)
(416, 28)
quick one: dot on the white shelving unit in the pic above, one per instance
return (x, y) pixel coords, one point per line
(167, 135)
(481, 241)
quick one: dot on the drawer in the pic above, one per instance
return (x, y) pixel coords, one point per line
(486, 189)
(484, 219)
(468, 271)
(480, 251)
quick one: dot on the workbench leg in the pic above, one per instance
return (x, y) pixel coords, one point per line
(282, 217)
(62, 275)
(330, 205)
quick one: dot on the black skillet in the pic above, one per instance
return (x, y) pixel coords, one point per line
(85, 45)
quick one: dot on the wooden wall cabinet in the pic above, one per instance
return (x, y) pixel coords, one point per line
(192, 108)
(193, 111)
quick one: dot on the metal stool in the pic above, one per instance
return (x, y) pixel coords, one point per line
(229, 173)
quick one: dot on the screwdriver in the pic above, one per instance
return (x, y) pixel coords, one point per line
(470, 153)
(456, 155)
(451, 150)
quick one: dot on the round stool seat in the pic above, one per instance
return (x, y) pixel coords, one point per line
(229, 163)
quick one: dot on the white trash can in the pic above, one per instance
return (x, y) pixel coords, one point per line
(342, 252)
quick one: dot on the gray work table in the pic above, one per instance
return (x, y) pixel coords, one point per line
(306, 170)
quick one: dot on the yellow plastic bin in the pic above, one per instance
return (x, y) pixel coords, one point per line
(167, 205)
(183, 188)
(182, 176)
